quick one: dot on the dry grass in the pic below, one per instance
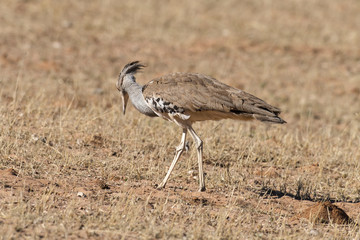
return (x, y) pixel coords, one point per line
(62, 131)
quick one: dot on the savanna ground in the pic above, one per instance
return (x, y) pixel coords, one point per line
(62, 131)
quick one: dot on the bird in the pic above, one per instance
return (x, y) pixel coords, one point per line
(186, 98)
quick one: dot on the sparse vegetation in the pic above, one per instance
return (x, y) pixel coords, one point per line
(62, 131)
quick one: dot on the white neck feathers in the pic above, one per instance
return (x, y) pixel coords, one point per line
(136, 97)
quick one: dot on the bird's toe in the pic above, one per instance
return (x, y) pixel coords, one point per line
(160, 186)
(202, 189)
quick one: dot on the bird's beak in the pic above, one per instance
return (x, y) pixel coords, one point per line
(125, 98)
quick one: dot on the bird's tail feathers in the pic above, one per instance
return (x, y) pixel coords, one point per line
(270, 119)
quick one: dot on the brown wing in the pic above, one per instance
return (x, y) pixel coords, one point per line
(194, 92)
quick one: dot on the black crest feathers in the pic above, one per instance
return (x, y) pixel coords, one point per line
(132, 68)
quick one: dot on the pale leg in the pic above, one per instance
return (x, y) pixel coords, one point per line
(179, 150)
(199, 147)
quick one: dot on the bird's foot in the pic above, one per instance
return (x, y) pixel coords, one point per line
(202, 189)
(160, 186)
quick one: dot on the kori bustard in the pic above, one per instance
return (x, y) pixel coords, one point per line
(185, 98)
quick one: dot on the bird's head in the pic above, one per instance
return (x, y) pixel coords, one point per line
(126, 77)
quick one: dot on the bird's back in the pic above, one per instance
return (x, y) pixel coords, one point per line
(204, 98)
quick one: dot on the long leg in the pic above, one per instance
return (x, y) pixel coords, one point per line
(199, 147)
(179, 150)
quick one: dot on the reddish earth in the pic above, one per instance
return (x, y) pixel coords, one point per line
(319, 212)
(325, 212)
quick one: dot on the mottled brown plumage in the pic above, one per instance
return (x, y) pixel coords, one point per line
(198, 94)
(185, 98)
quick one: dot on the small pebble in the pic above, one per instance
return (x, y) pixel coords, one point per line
(79, 142)
(81, 194)
(56, 45)
(34, 137)
(314, 232)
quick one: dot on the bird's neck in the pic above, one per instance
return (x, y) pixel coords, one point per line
(137, 99)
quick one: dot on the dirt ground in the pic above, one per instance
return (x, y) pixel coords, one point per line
(73, 167)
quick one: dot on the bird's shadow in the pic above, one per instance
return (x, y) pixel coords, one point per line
(269, 192)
